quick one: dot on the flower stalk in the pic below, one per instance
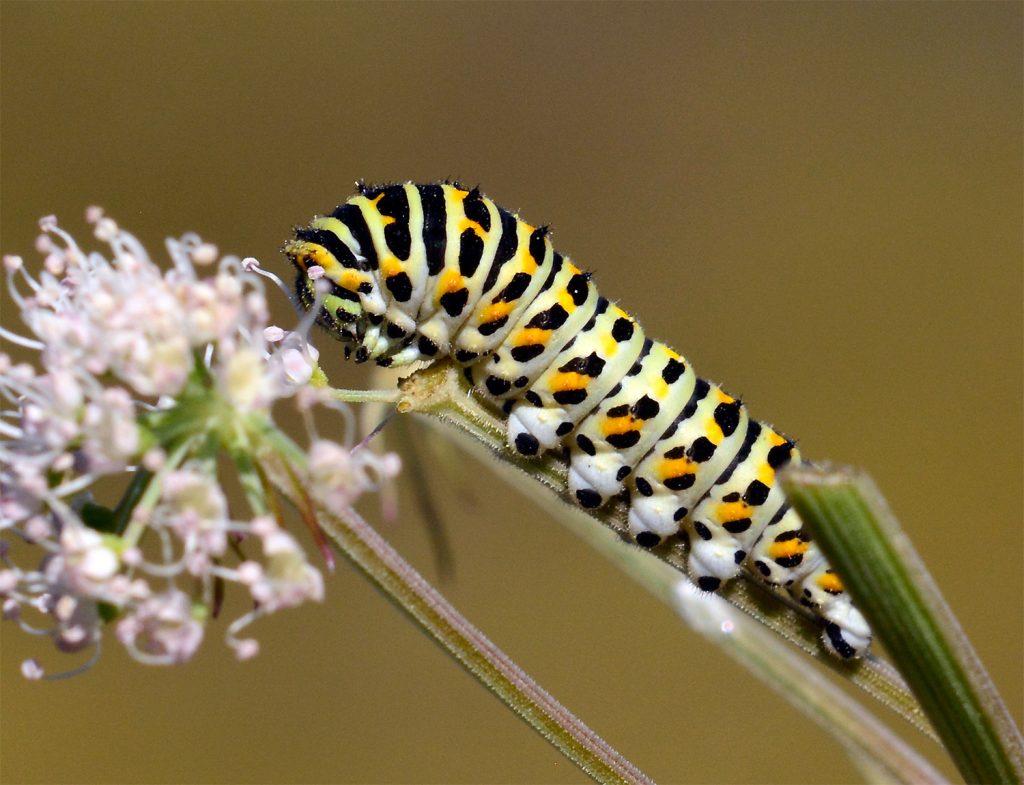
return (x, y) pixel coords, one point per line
(419, 600)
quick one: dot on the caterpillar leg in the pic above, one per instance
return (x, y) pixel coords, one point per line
(849, 636)
(847, 633)
(654, 518)
(534, 429)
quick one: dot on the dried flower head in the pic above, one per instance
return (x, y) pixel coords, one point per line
(143, 378)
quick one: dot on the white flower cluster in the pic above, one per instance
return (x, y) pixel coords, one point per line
(143, 377)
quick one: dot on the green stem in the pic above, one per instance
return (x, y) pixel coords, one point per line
(132, 494)
(850, 521)
(365, 396)
(743, 636)
(439, 391)
(412, 594)
(149, 493)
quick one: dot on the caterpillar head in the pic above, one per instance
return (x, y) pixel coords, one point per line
(347, 309)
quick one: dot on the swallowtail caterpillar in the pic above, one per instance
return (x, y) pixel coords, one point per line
(424, 272)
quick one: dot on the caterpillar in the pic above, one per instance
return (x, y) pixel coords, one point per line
(424, 272)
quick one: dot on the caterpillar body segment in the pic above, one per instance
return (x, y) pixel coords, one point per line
(785, 556)
(627, 423)
(563, 305)
(421, 272)
(734, 512)
(579, 377)
(690, 457)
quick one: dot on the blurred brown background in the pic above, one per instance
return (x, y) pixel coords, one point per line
(819, 204)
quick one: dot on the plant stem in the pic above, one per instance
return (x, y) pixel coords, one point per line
(440, 392)
(850, 521)
(871, 745)
(411, 593)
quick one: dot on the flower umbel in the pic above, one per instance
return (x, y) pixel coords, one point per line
(144, 382)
